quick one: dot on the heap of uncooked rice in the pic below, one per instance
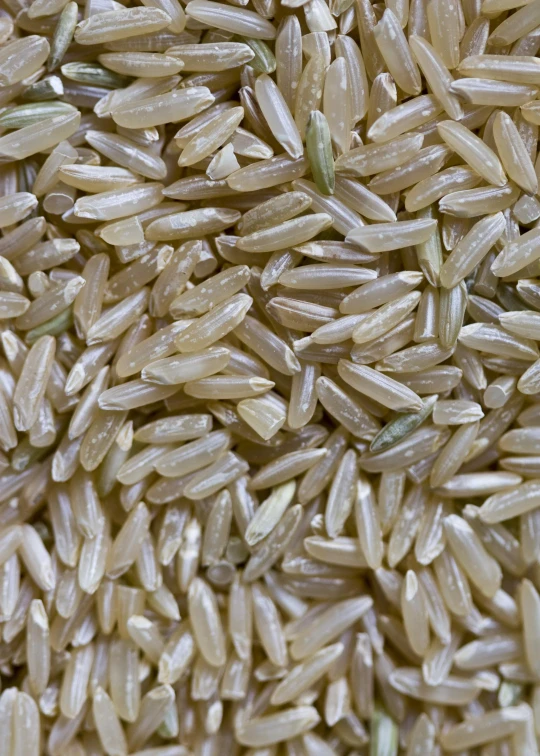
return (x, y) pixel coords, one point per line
(269, 378)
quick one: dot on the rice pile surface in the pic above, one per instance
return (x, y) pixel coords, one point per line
(269, 378)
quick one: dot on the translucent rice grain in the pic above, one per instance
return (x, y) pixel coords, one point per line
(368, 524)
(379, 387)
(12, 305)
(21, 58)
(475, 152)
(207, 624)
(389, 236)
(145, 635)
(390, 494)
(215, 477)
(492, 92)
(88, 303)
(133, 394)
(470, 203)
(383, 97)
(503, 506)
(26, 726)
(481, 569)
(523, 21)
(404, 117)
(104, 27)
(16, 207)
(289, 59)
(517, 69)
(127, 153)
(380, 292)
(73, 693)
(31, 139)
(453, 691)
(211, 57)
(93, 558)
(493, 339)
(445, 33)
(22, 238)
(237, 21)
(170, 429)
(370, 159)
(437, 75)
(362, 200)
(456, 412)
(99, 437)
(273, 546)
(472, 249)
(217, 529)
(487, 728)
(385, 318)
(270, 347)
(454, 454)
(331, 623)
(119, 203)
(514, 154)
(288, 234)
(345, 409)
(32, 382)
(414, 613)
(153, 708)
(338, 107)
(422, 736)
(306, 674)
(124, 660)
(343, 551)
(303, 396)
(267, 173)
(332, 276)
(264, 415)
(173, 370)
(132, 64)
(191, 223)
(108, 725)
(517, 254)
(530, 604)
(356, 75)
(214, 325)
(38, 649)
(439, 185)
(128, 541)
(268, 626)
(273, 211)
(273, 728)
(46, 307)
(278, 115)
(178, 653)
(395, 50)
(241, 618)
(173, 106)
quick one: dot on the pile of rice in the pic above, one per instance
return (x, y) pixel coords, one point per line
(269, 378)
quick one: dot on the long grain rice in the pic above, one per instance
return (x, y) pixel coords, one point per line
(269, 375)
